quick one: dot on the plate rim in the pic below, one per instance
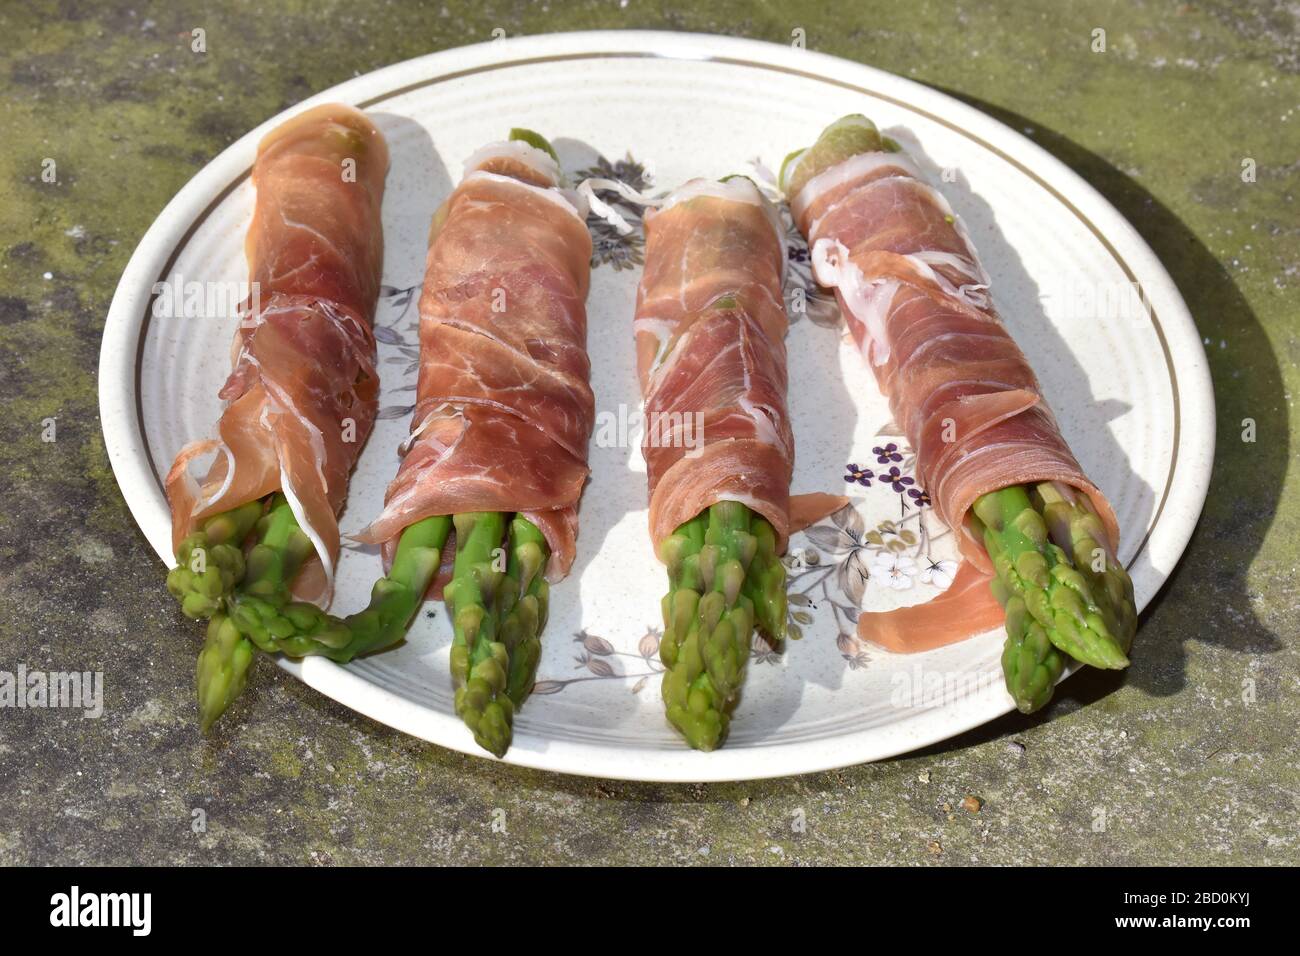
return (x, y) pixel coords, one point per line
(128, 453)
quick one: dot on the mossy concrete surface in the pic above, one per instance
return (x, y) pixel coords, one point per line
(1189, 757)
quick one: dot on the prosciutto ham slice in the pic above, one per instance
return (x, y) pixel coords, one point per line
(504, 409)
(303, 393)
(710, 336)
(916, 302)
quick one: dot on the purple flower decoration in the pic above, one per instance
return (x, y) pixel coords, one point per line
(898, 480)
(919, 497)
(887, 454)
(861, 476)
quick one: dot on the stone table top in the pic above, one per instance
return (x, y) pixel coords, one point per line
(1189, 757)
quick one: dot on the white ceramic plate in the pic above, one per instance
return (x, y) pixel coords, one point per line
(1125, 374)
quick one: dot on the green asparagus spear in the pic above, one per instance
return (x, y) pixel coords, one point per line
(692, 703)
(222, 668)
(535, 140)
(1079, 532)
(280, 551)
(261, 613)
(765, 581)
(396, 597)
(1031, 663)
(1036, 569)
(721, 576)
(844, 138)
(522, 601)
(300, 629)
(480, 664)
(1056, 603)
(494, 666)
(209, 563)
(262, 607)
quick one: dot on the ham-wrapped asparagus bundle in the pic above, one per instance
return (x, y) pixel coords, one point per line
(1038, 537)
(710, 336)
(504, 412)
(303, 393)
(302, 400)
(504, 409)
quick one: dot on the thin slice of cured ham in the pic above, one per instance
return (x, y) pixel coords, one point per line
(710, 336)
(504, 409)
(916, 301)
(303, 393)
(967, 607)
(807, 509)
